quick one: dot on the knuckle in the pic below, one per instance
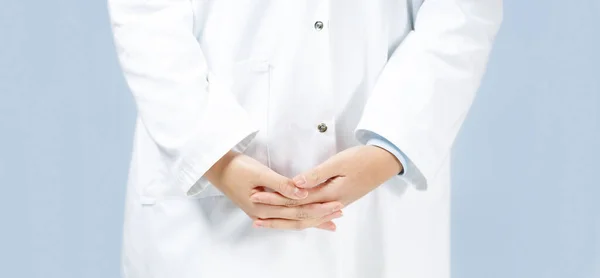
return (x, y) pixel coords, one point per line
(258, 177)
(291, 203)
(301, 214)
(314, 176)
(283, 186)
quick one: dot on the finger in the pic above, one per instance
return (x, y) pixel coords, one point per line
(275, 199)
(328, 226)
(315, 195)
(285, 224)
(255, 190)
(281, 184)
(305, 212)
(317, 175)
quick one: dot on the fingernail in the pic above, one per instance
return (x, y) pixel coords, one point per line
(300, 180)
(258, 224)
(339, 214)
(300, 193)
(331, 227)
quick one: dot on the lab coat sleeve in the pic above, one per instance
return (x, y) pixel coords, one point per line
(428, 84)
(188, 112)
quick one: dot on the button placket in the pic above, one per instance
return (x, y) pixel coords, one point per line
(325, 126)
(321, 19)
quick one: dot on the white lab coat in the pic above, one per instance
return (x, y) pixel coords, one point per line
(258, 76)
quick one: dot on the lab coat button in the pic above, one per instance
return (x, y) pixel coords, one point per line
(322, 127)
(319, 25)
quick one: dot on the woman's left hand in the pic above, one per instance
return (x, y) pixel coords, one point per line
(345, 177)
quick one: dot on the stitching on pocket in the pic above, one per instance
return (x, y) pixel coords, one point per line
(268, 120)
(252, 87)
(248, 73)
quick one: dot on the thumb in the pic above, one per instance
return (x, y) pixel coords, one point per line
(283, 185)
(317, 175)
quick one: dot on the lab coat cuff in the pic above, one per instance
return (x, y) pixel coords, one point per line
(391, 148)
(412, 172)
(191, 175)
(225, 126)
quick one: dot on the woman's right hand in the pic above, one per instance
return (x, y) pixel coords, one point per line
(239, 176)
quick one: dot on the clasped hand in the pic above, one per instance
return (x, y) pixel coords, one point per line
(311, 199)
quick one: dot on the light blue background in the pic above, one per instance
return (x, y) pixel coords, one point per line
(526, 186)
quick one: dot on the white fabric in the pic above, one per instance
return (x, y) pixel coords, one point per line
(258, 77)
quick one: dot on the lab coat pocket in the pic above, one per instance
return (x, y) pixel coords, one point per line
(248, 81)
(250, 84)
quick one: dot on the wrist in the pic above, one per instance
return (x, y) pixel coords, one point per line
(387, 160)
(215, 172)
